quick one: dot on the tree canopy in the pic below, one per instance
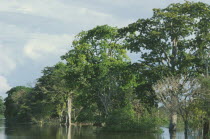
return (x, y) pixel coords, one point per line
(97, 81)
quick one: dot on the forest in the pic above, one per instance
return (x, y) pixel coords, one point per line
(97, 83)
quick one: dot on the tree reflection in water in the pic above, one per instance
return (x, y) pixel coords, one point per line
(25, 131)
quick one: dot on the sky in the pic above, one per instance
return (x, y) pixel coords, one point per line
(35, 33)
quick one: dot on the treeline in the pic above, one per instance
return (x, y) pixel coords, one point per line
(97, 82)
(2, 107)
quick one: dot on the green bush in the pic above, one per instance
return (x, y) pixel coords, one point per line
(85, 116)
(121, 119)
(125, 119)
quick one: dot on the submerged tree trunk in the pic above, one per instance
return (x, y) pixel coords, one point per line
(173, 135)
(69, 110)
(60, 120)
(172, 126)
(205, 128)
(173, 122)
(66, 123)
(69, 132)
(186, 129)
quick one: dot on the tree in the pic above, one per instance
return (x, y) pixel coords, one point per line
(17, 104)
(2, 107)
(177, 95)
(203, 103)
(52, 89)
(171, 42)
(97, 67)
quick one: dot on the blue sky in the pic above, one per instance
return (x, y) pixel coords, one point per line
(35, 33)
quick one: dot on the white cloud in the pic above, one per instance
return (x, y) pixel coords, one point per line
(4, 86)
(55, 9)
(143, 2)
(45, 46)
(7, 62)
(12, 33)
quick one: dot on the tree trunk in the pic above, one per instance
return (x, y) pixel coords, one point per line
(173, 122)
(60, 116)
(173, 135)
(205, 128)
(69, 132)
(174, 54)
(186, 129)
(66, 123)
(172, 126)
(69, 110)
(60, 120)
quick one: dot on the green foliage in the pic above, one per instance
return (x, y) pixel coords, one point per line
(2, 106)
(195, 121)
(106, 87)
(86, 115)
(173, 41)
(17, 104)
(50, 94)
(122, 118)
(98, 67)
(200, 107)
(125, 119)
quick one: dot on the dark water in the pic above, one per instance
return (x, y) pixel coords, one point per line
(75, 132)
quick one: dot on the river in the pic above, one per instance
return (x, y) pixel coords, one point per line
(26, 131)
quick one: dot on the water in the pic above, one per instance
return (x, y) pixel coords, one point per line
(21, 131)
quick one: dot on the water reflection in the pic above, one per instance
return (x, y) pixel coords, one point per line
(62, 132)
(2, 129)
(21, 131)
(172, 134)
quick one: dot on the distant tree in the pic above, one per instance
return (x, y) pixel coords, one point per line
(17, 104)
(2, 107)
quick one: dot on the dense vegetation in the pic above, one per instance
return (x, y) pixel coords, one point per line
(2, 107)
(97, 82)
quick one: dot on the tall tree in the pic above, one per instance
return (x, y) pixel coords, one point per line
(97, 64)
(52, 88)
(169, 43)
